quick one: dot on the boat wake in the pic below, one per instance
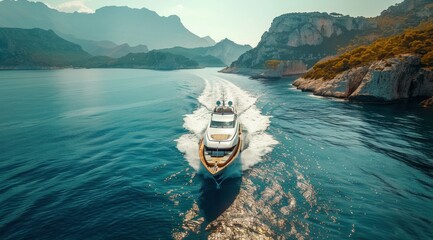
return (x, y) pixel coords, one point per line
(255, 206)
(257, 142)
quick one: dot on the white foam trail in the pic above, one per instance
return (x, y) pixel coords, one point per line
(255, 124)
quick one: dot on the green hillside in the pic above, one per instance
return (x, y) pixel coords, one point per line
(197, 54)
(150, 60)
(37, 48)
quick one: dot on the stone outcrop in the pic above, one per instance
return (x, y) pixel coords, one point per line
(285, 68)
(386, 80)
(427, 103)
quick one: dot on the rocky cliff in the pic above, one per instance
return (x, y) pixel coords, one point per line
(397, 67)
(303, 36)
(385, 80)
(309, 37)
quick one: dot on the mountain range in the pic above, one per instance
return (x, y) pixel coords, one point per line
(219, 55)
(44, 49)
(37, 48)
(117, 24)
(106, 48)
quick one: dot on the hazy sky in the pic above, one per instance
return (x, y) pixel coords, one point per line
(242, 21)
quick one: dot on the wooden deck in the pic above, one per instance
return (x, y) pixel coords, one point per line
(215, 165)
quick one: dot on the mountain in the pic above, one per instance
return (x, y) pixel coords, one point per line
(117, 24)
(197, 54)
(221, 54)
(37, 48)
(309, 37)
(151, 60)
(41, 49)
(303, 36)
(209, 40)
(227, 50)
(390, 69)
(106, 48)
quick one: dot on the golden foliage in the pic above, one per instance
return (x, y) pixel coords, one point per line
(272, 64)
(414, 41)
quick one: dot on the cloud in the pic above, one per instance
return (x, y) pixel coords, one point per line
(74, 6)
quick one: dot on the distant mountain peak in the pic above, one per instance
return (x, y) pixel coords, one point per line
(119, 24)
(209, 40)
(126, 9)
(228, 42)
(174, 17)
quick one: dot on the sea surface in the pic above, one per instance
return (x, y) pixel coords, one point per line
(112, 154)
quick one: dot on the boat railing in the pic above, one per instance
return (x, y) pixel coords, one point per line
(224, 110)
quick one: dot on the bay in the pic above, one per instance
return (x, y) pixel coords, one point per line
(111, 154)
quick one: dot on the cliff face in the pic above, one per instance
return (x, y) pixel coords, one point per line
(386, 80)
(303, 36)
(301, 29)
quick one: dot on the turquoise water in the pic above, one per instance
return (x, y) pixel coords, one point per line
(112, 154)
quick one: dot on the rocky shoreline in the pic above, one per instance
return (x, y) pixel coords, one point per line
(381, 81)
(283, 69)
(427, 103)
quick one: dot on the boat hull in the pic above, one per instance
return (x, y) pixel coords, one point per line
(216, 165)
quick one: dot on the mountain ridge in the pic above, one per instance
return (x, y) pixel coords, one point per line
(219, 55)
(44, 49)
(118, 24)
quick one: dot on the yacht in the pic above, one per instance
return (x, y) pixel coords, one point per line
(222, 141)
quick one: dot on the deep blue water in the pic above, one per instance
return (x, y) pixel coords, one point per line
(111, 154)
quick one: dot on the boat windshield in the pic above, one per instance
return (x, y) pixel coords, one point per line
(217, 124)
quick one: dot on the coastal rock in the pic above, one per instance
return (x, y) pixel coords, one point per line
(241, 71)
(284, 68)
(340, 87)
(427, 103)
(386, 80)
(294, 67)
